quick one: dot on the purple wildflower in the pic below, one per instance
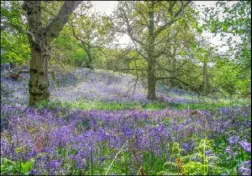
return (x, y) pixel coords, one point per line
(225, 110)
(244, 171)
(209, 152)
(245, 145)
(247, 163)
(54, 164)
(229, 150)
(233, 139)
(103, 159)
(81, 163)
(188, 146)
(33, 172)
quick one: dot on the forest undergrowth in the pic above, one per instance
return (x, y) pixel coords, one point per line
(122, 135)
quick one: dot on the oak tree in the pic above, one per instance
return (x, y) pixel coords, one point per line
(149, 24)
(40, 38)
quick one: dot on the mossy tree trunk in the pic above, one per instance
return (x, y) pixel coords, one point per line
(40, 39)
(39, 83)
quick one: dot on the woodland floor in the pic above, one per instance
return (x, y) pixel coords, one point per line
(94, 125)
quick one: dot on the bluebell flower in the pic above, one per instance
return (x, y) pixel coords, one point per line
(103, 159)
(33, 172)
(233, 139)
(246, 145)
(54, 164)
(244, 171)
(225, 110)
(189, 145)
(209, 152)
(229, 150)
(247, 163)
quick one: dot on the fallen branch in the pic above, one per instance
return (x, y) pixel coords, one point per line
(17, 75)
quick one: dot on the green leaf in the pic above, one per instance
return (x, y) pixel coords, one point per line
(28, 165)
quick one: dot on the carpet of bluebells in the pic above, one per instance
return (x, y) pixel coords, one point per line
(85, 84)
(61, 141)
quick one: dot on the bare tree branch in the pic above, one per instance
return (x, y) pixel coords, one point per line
(171, 71)
(20, 29)
(52, 30)
(129, 30)
(160, 29)
(129, 69)
(165, 49)
(172, 4)
(162, 78)
(47, 11)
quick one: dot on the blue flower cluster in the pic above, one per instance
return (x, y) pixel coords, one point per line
(62, 141)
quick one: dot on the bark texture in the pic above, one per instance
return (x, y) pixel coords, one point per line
(39, 83)
(151, 60)
(151, 84)
(40, 38)
(90, 58)
(205, 78)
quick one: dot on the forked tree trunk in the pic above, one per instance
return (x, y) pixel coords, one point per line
(40, 38)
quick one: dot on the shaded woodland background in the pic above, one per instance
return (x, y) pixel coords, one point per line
(166, 47)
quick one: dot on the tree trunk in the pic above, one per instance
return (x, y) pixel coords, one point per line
(151, 80)
(39, 83)
(90, 59)
(87, 49)
(12, 65)
(205, 78)
(169, 61)
(151, 83)
(40, 38)
(173, 67)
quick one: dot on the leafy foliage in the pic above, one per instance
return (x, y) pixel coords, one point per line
(19, 167)
(236, 21)
(14, 43)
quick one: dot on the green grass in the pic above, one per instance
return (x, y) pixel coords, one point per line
(115, 106)
(208, 105)
(101, 105)
(90, 105)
